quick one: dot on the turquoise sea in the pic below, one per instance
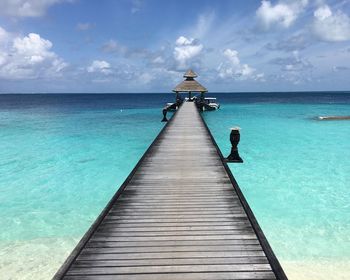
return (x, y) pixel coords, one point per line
(62, 157)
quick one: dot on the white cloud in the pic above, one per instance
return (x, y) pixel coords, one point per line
(146, 78)
(340, 68)
(136, 6)
(26, 8)
(99, 66)
(233, 69)
(158, 60)
(3, 34)
(83, 26)
(204, 24)
(28, 57)
(260, 77)
(295, 42)
(33, 46)
(113, 46)
(330, 26)
(4, 40)
(185, 50)
(294, 68)
(3, 44)
(232, 55)
(293, 63)
(323, 12)
(246, 71)
(281, 14)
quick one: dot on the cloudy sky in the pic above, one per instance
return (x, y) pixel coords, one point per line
(146, 45)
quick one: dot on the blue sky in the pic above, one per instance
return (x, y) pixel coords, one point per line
(146, 45)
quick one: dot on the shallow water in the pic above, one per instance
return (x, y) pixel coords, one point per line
(62, 158)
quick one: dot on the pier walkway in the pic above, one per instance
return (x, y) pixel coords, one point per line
(179, 215)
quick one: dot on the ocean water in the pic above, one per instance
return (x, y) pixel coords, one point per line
(62, 157)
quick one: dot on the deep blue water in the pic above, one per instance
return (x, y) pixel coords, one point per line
(152, 100)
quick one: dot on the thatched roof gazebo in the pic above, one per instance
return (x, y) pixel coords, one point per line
(190, 85)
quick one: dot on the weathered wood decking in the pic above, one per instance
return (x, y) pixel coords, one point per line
(179, 215)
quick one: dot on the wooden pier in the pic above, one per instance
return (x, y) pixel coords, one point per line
(179, 215)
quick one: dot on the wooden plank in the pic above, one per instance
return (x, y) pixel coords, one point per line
(170, 255)
(109, 227)
(171, 213)
(173, 198)
(218, 248)
(142, 191)
(177, 220)
(215, 225)
(175, 235)
(171, 261)
(178, 207)
(171, 243)
(160, 203)
(168, 269)
(246, 275)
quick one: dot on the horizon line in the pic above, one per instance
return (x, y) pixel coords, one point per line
(225, 92)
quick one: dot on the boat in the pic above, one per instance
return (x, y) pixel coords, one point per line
(210, 104)
(171, 107)
(333, 118)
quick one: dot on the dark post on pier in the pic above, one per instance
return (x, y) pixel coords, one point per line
(235, 137)
(179, 215)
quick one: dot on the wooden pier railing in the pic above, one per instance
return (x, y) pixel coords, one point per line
(179, 215)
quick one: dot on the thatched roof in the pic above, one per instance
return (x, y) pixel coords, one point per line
(190, 84)
(190, 74)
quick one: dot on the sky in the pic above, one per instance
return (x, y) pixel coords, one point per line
(111, 46)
